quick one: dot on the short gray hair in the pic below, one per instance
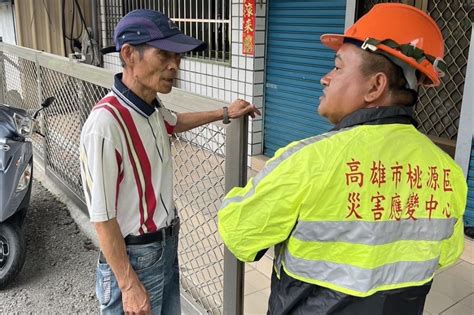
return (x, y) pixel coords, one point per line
(141, 51)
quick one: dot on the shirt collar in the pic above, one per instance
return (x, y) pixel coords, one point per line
(132, 99)
(379, 116)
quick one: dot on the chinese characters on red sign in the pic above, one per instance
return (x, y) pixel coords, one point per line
(248, 27)
(395, 207)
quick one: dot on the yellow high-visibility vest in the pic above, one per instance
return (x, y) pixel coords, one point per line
(358, 210)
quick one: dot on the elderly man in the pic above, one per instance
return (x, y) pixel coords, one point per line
(364, 215)
(127, 168)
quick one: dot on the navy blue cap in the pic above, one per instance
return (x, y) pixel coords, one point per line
(155, 29)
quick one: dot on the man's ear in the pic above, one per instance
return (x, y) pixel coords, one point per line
(128, 55)
(377, 86)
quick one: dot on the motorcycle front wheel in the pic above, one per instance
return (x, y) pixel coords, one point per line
(12, 252)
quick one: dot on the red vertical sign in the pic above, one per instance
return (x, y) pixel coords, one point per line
(248, 40)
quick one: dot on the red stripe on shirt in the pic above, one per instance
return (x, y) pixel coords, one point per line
(134, 166)
(169, 128)
(118, 158)
(144, 162)
(102, 102)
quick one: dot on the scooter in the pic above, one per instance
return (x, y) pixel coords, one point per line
(16, 171)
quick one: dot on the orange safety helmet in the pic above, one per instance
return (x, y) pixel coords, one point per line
(403, 32)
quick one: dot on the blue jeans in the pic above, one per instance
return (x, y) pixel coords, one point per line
(156, 265)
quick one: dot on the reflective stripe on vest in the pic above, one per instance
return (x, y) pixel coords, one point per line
(375, 233)
(272, 164)
(355, 279)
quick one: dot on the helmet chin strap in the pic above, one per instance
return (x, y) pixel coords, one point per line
(409, 72)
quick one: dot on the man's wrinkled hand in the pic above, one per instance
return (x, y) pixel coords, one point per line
(240, 107)
(136, 300)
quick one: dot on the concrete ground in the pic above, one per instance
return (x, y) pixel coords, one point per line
(58, 276)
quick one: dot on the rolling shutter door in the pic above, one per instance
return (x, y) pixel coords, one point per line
(296, 61)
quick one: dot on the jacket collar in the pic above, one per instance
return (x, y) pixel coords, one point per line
(131, 99)
(379, 116)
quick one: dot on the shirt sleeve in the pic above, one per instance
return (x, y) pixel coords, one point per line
(264, 212)
(102, 172)
(169, 118)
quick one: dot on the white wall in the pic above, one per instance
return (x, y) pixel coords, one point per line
(7, 32)
(7, 28)
(466, 120)
(242, 78)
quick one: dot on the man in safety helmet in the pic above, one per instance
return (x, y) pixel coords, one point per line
(361, 217)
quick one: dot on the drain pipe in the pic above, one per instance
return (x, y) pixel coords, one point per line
(95, 21)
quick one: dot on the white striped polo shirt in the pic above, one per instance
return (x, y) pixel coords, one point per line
(126, 164)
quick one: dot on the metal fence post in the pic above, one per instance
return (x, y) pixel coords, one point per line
(39, 89)
(466, 119)
(2, 75)
(235, 175)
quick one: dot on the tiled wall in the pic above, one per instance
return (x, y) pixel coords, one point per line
(112, 62)
(242, 77)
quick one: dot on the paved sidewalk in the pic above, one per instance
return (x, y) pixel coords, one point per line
(452, 292)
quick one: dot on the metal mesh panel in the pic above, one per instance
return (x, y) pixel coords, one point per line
(110, 14)
(199, 189)
(438, 109)
(21, 89)
(74, 100)
(207, 20)
(364, 6)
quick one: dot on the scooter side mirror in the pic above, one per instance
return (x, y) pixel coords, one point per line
(48, 101)
(45, 104)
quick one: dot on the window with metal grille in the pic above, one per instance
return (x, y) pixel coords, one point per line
(207, 20)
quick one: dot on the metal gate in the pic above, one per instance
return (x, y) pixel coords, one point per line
(438, 109)
(296, 61)
(207, 162)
